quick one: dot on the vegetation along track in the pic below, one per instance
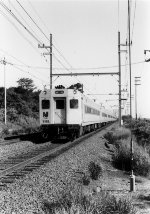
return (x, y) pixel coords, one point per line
(16, 167)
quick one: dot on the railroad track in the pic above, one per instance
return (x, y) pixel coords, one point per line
(33, 137)
(16, 167)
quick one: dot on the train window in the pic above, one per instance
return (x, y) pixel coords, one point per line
(45, 104)
(60, 104)
(104, 115)
(74, 103)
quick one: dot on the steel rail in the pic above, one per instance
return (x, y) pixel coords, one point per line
(60, 149)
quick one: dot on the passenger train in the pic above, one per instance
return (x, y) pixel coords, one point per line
(68, 113)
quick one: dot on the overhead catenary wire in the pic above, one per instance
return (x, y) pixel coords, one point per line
(17, 29)
(41, 20)
(133, 20)
(32, 20)
(18, 20)
(54, 46)
(69, 69)
(45, 36)
(34, 35)
(31, 29)
(15, 17)
(24, 27)
(11, 64)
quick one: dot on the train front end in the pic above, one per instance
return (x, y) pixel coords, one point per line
(60, 112)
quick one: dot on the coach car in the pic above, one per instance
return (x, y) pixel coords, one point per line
(68, 112)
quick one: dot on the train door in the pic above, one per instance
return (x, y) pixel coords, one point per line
(59, 110)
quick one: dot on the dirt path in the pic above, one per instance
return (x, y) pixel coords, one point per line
(118, 182)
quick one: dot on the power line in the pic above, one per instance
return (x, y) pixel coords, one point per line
(15, 17)
(103, 67)
(19, 31)
(69, 69)
(22, 18)
(38, 15)
(9, 63)
(133, 20)
(30, 74)
(40, 31)
(32, 20)
(61, 54)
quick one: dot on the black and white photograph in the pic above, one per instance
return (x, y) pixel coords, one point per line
(74, 107)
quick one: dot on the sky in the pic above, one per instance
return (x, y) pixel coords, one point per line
(85, 39)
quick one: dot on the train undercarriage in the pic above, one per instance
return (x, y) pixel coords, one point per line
(70, 132)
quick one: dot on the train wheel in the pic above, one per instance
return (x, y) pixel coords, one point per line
(73, 136)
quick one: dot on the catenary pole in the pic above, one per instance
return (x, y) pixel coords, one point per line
(50, 61)
(119, 62)
(137, 79)
(132, 177)
(48, 53)
(4, 62)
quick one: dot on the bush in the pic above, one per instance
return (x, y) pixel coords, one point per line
(110, 137)
(28, 124)
(141, 130)
(4, 132)
(120, 133)
(95, 170)
(103, 203)
(122, 158)
(86, 180)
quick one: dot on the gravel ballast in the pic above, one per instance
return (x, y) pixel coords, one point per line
(27, 194)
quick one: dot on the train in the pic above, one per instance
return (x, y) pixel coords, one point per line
(68, 113)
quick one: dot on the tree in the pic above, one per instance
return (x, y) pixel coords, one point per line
(26, 84)
(77, 86)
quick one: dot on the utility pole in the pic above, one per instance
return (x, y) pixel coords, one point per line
(5, 102)
(132, 176)
(119, 63)
(51, 61)
(50, 53)
(137, 79)
(5, 91)
(4, 62)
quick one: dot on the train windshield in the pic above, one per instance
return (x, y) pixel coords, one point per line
(74, 103)
(60, 104)
(45, 104)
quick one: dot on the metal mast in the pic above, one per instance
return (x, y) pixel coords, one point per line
(49, 53)
(119, 61)
(132, 177)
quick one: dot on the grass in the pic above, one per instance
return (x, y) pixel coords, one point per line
(22, 125)
(122, 158)
(73, 201)
(120, 138)
(117, 134)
